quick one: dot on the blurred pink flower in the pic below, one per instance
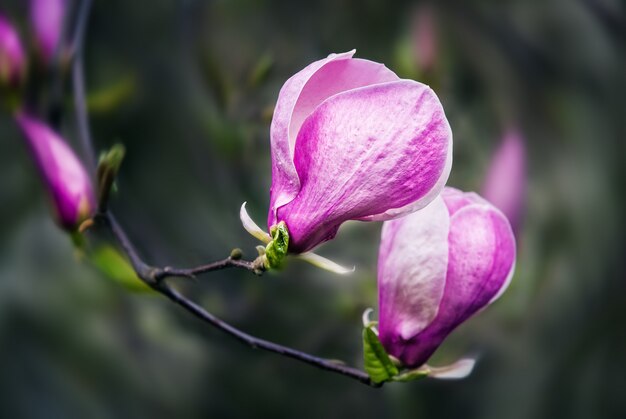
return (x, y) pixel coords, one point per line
(352, 141)
(436, 268)
(505, 183)
(62, 172)
(424, 38)
(47, 18)
(12, 58)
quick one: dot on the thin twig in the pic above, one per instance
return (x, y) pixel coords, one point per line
(153, 277)
(229, 262)
(257, 343)
(78, 83)
(152, 274)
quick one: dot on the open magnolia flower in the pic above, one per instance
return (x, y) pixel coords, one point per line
(62, 172)
(352, 141)
(12, 57)
(438, 267)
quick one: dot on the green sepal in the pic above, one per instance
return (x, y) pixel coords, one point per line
(108, 167)
(276, 250)
(116, 267)
(412, 375)
(377, 362)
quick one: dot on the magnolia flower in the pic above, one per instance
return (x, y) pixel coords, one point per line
(438, 267)
(63, 174)
(505, 183)
(47, 18)
(12, 58)
(352, 141)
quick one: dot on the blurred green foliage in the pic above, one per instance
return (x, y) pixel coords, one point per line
(188, 87)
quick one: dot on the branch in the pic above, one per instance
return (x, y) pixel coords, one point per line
(154, 278)
(78, 83)
(153, 275)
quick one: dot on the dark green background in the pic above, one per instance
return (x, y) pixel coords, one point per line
(193, 114)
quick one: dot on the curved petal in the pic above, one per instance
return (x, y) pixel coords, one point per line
(460, 369)
(456, 199)
(298, 98)
(412, 265)
(324, 263)
(362, 153)
(481, 258)
(252, 227)
(482, 254)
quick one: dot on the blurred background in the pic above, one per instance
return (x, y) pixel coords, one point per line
(189, 86)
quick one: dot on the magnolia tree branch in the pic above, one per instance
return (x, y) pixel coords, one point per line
(151, 274)
(155, 277)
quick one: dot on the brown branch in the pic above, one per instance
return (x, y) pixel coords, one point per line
(155, 278)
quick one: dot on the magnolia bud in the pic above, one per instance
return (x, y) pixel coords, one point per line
(62, 172)
(437, 267)
(12, 57)
(47, 18)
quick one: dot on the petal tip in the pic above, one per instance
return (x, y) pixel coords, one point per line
(460, 369)
(326, 264)
(251, 227)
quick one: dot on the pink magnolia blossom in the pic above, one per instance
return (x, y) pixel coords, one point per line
(63, 174)
(505, 183)
(12, 57)
(437, 267)
(47, 18)
(352, 141)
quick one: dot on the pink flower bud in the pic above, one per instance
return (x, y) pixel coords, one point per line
(437, 267)
(47, 18)
(505, 183)
(12, 58)
(352, 141)
(63, 174)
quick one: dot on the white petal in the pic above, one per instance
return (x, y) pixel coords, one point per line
(366, 316)
(251, 227)
(412, 265)
(460, 369)
(327, 264)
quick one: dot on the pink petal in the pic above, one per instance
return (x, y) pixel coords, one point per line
(363, 153)
(482, 255)
(298, 98)
(456, 199)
